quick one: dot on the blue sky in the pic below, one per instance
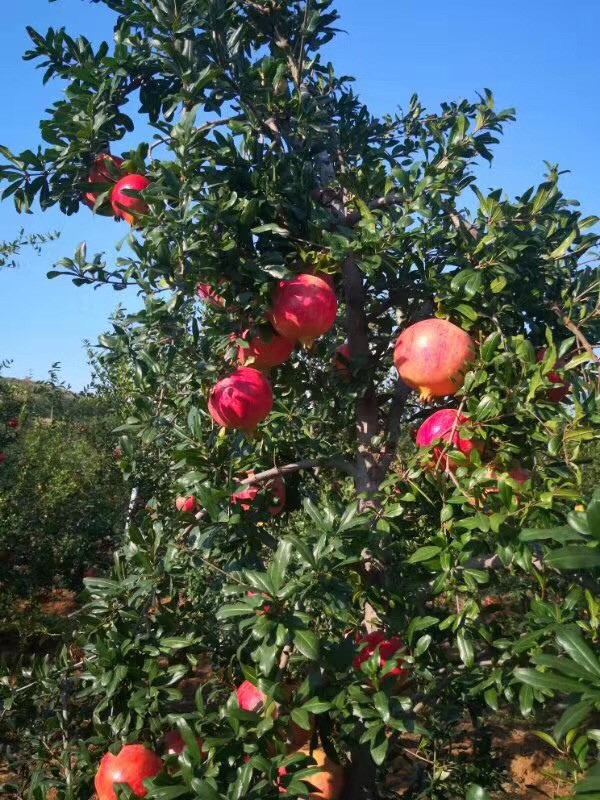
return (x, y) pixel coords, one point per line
(540, 56)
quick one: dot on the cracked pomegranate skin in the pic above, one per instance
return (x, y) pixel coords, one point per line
(433, 357)
(440, 426)
(267, 353)
(124, 203)
(303, 309)
(133, 765)
(242, 400)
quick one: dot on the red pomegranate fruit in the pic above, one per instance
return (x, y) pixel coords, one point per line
(106, 169)
(303, 308)
(174, 744)
(266, 609)
(266, 353)
(187, 505)
(563, 387)
(445, 425)
(250, 698)
(13, 423)
(242, 400)
(275, 487)
(125, 205)
(433, 357)
(133, 765)
(2, 458)
(387, 649)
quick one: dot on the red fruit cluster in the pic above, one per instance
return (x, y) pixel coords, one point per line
(302, 309)
(105, 170)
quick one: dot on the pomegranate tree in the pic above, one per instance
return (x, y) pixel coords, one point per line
(433, 357)
(242, 400)
(303, 308)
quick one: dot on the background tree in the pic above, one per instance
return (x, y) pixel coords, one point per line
(265, 165)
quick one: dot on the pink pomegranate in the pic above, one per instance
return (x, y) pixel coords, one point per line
(433, 357)
(562, 386)
(105, 169)
(445, 425)
(242, 400)
(187, 505)
(341, 359)
(250, 698)
(387, 650)
(266, 353)
(275, 487)
(303, 308)
(127, 206)
(174, 745)
(133, 765)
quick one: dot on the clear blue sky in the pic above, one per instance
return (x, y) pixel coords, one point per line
(540, 56)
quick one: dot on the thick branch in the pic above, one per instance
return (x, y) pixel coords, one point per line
(259, 477)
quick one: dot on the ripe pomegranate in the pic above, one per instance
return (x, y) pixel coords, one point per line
(174, 745)
(328, 782)
(266, 353)
(303, 308)
(123, 202)
(247, 495)
(105, 169)
(242, 400)
(187, 505)
(91, 573)
(563, 387)
(433, 356)
(206, 293)
(117, 454)
(250, 698)
(341, 359)
(133, 765)
(387, 650)
(2, 458)
(441, 426)
(13, 423)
